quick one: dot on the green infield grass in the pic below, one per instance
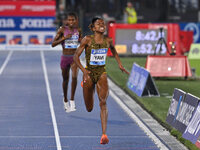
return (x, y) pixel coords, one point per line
(195, 63)
(156, 106)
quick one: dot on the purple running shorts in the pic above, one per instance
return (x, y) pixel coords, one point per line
(66, 61)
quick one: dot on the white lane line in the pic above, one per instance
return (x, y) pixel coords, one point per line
(139, 122)
(57, 137)
(5, 62)
(78, 136)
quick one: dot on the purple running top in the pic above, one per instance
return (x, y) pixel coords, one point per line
(72, 42)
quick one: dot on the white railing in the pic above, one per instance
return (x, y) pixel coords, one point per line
(30, 47)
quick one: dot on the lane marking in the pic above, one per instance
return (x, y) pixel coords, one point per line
(77, 136)
(139, 122)
(57, 138)
(5, 62)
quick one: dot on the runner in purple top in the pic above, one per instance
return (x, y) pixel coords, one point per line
(69, 36)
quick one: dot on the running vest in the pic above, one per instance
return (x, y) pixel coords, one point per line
(73, 41)
(96, 54)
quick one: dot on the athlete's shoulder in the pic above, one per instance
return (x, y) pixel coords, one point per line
(109, 39)
(86, 39)
(61, 29)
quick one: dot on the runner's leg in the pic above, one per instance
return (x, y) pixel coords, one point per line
(65, 75)
(88, 93)
(102, 91)
(74, 69)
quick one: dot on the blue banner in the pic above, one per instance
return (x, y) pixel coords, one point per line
(195, 27)
(186, 111)
(137, 79)
(173, 110)
(192, 131)
(27, 23)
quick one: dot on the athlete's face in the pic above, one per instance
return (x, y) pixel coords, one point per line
(99, 26)
(71, 21)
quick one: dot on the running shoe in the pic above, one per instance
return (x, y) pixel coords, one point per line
(72, 105)
(66, 106)
(104, 139)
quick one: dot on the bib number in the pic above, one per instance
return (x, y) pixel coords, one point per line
(98, 56)
(72, 42)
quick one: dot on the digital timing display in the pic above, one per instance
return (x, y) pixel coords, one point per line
(141, 41)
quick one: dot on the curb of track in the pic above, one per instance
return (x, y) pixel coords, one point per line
(159, 131)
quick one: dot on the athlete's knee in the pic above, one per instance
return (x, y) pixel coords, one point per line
(88, 104)
(66, 78)
(74, 73)
(65, 82)
(103, 103)
(103, 98)
(103, 95)
(74, 79)
(89, 109)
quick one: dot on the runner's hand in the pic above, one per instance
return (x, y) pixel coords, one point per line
(123, 69)
(68, 36)
(86, 75)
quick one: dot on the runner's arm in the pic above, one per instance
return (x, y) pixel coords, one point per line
(115, 54)
(83, 44)
(80, 34)
(59, 38)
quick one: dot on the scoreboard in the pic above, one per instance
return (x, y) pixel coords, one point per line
(142, 39)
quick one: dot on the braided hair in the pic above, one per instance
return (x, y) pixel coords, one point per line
(93, 22)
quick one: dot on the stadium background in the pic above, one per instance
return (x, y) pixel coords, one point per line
(40, 28)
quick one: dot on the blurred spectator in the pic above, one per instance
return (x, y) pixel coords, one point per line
(131, 14)
(94, 5)
(182, 5)
(72, 5)
(189, 4)
(111, 4)
(163, 11)
(107, 20)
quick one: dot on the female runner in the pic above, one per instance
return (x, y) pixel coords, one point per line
(96, 47)
(69, 36)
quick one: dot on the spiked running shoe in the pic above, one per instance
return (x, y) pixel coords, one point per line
(104, 139)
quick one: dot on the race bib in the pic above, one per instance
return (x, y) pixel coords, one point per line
(72, 42)
(98, 56)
